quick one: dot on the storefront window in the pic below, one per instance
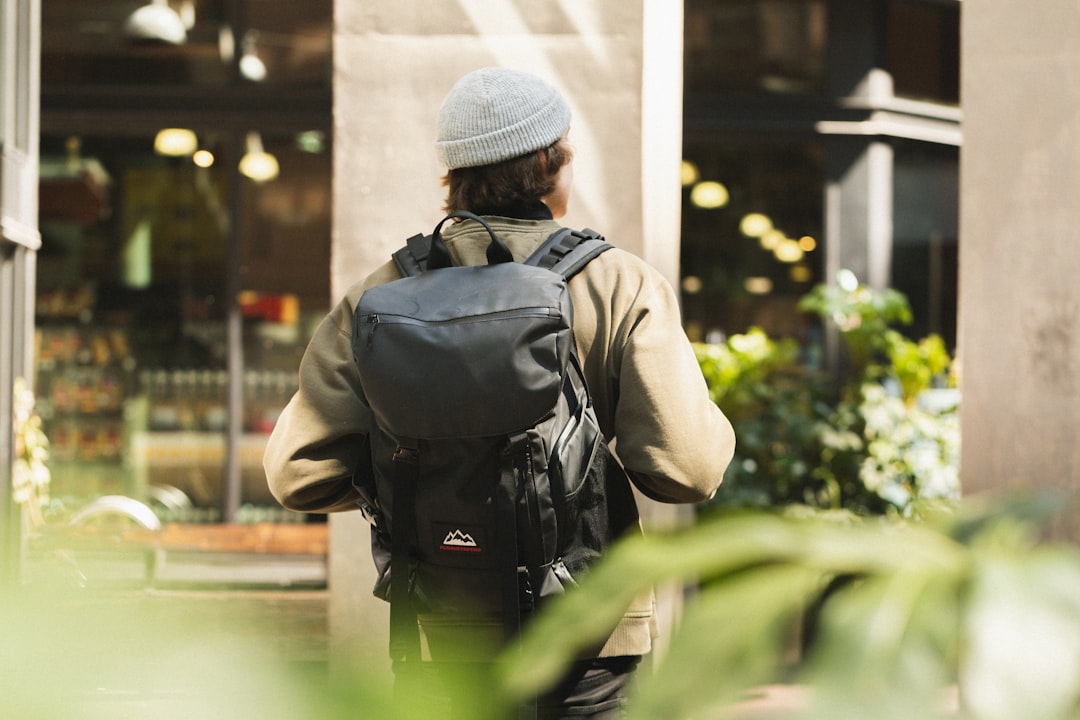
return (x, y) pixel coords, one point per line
(284, 291)
(185, 216)
(924, 50)
(135, 282)
(754, 46)
(751, 242)
(925, 236)
(201, 43)
(761, 106)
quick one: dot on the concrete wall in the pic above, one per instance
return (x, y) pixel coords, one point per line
(394, 62)
(618, 63)
(1020, 245)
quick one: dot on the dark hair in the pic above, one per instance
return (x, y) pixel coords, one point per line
(518, 182)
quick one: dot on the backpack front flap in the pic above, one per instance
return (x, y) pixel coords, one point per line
(463, 351)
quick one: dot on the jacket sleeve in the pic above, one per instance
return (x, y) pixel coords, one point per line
(315, 445)
(651, 396)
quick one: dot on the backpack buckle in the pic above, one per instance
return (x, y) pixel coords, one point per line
(408, 455)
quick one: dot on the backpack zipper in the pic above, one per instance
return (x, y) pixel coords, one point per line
(373, 321)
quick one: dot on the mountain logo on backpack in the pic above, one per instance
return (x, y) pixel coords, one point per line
(459, 541)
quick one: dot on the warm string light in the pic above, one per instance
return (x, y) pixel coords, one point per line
(176, 142)
(258, 164)
(250, 64)
(157, 22)
(791, 251)
(785, 249)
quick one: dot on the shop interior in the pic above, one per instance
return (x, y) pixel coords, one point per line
(185, 199)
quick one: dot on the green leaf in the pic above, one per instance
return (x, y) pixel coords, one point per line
(1022, 657)
(708, 551)
(887, 647)
(743, 626)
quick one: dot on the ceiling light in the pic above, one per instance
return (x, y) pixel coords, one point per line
(203, 158)
(788, 251)
(251, 66)
(755, 225)
(771, 239)
(758, 285)
(689, 173)
(258, 164)
(709, 195)
(156, 22)
(175, 142)
(692, 284)
(226, 44)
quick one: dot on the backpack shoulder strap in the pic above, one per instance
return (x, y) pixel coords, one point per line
(412, 259)
(567, 251)
(404, 635)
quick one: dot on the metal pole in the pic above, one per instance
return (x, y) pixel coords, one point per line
(235, 343)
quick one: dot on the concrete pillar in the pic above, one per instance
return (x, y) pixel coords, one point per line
(859, 208)
(858, 202)
(618, 65)
(1020, 246)
(858, 166)
(856, 66)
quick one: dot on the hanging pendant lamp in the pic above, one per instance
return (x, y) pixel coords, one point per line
(156, 22)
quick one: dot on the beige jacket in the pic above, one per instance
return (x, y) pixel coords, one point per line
(651, 399)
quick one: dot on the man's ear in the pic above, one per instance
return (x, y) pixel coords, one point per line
(542, 156)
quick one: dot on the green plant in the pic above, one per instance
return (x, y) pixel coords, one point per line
(881, 438)
(905, 612)
(865, 316)
(776, 406)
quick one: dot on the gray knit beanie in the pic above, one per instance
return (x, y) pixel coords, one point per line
(495, 114)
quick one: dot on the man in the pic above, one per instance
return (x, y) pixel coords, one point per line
(502, 134)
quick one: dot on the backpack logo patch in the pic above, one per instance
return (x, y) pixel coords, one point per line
(460, 539)
(456, 539)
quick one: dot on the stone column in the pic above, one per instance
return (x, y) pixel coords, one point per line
(1020, 247)
(618, 65)
(859, 166)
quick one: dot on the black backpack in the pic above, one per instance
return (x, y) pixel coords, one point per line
(490, 482)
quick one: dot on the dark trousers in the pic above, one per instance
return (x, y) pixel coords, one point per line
(465, 691)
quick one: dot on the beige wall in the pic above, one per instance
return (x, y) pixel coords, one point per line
(394, 62)
(1020, 245)
(618, 63)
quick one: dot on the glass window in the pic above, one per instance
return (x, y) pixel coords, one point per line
(186, 42)
(134, 282)
(754, 46)
(751, 237)
(284, 289)
(924, 50)
(925, 236)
